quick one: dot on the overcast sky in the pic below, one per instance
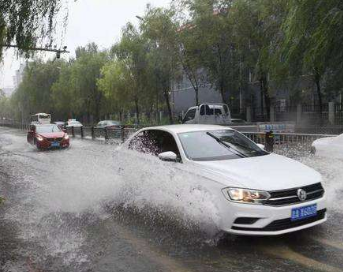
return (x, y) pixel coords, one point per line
(89, 20)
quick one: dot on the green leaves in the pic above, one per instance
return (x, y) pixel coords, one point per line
(228, 44)
(27, 21)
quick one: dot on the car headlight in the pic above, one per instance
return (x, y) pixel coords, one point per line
(66, 136)
(40, 138)
(246, 196)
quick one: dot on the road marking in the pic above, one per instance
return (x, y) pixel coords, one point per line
(145, 248)
(285, 252)
(338, 245)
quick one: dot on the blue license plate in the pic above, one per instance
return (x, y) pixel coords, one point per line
(304, 212)
(55, 144)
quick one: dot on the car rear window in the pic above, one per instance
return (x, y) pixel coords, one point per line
(47, 129)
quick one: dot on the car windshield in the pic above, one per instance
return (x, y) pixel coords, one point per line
(218, 145)
(47, 129)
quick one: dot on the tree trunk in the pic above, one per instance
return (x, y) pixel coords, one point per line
(97, 110)
(137, 109)
(222, 93)
(261, 97)
(266, 96)
(317, 78)
(196, 89)
(170, 114)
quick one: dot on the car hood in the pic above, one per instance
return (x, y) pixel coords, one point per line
(329, 140)
(324, 141)
(52, 134)
(330, 147)
(269, 172)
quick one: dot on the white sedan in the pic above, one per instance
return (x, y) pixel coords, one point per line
(256, 193)
(73, 123)
(331, 147)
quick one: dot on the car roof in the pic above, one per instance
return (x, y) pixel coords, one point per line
(188, 128)
(41, 113)
(44, 125)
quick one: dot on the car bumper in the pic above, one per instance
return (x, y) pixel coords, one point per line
(47, 144)
(272, 220)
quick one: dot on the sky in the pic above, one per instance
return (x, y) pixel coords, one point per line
(98, 21)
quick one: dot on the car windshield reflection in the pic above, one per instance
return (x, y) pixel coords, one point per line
(218, 145)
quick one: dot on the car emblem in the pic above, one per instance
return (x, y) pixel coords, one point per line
(302, 195)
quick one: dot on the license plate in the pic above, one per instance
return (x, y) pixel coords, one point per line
(304, 212)
(55, 144)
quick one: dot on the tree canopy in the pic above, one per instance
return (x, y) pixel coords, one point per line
(26, 22)
(242, 48)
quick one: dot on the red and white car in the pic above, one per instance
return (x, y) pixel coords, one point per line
(47, 136)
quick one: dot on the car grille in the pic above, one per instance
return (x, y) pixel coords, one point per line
(287, 197)
(54, 139)
(287, 223)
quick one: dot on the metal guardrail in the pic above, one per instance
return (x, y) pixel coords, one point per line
(121, 134)
(287, 139)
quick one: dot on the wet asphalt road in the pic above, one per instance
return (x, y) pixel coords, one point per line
(63, 212)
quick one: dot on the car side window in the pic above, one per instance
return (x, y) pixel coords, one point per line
(154, 142)
(168, 143)
(217, 111)
(144, 142)
(190, 115)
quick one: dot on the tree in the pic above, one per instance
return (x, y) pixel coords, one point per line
(117, 84)
(158, 28)
(313, 41)
(256, 31)
(5, 107)
(132, 51)
(63, 95)
(85, 71)
(34, 93)
(215, 47)
(189, 56)
(27, 21)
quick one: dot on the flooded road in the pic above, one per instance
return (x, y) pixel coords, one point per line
(87, 208)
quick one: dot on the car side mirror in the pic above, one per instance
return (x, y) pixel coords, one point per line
(261, 146)
(168, 156)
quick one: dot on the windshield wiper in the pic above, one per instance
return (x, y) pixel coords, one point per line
(237, 152)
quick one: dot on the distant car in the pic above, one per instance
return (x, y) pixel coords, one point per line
(109, 124)
(331, 147)
(214, 114)
(47, 136)
(237, 121)
(254, 192)
(60, 124)
(73, 123)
